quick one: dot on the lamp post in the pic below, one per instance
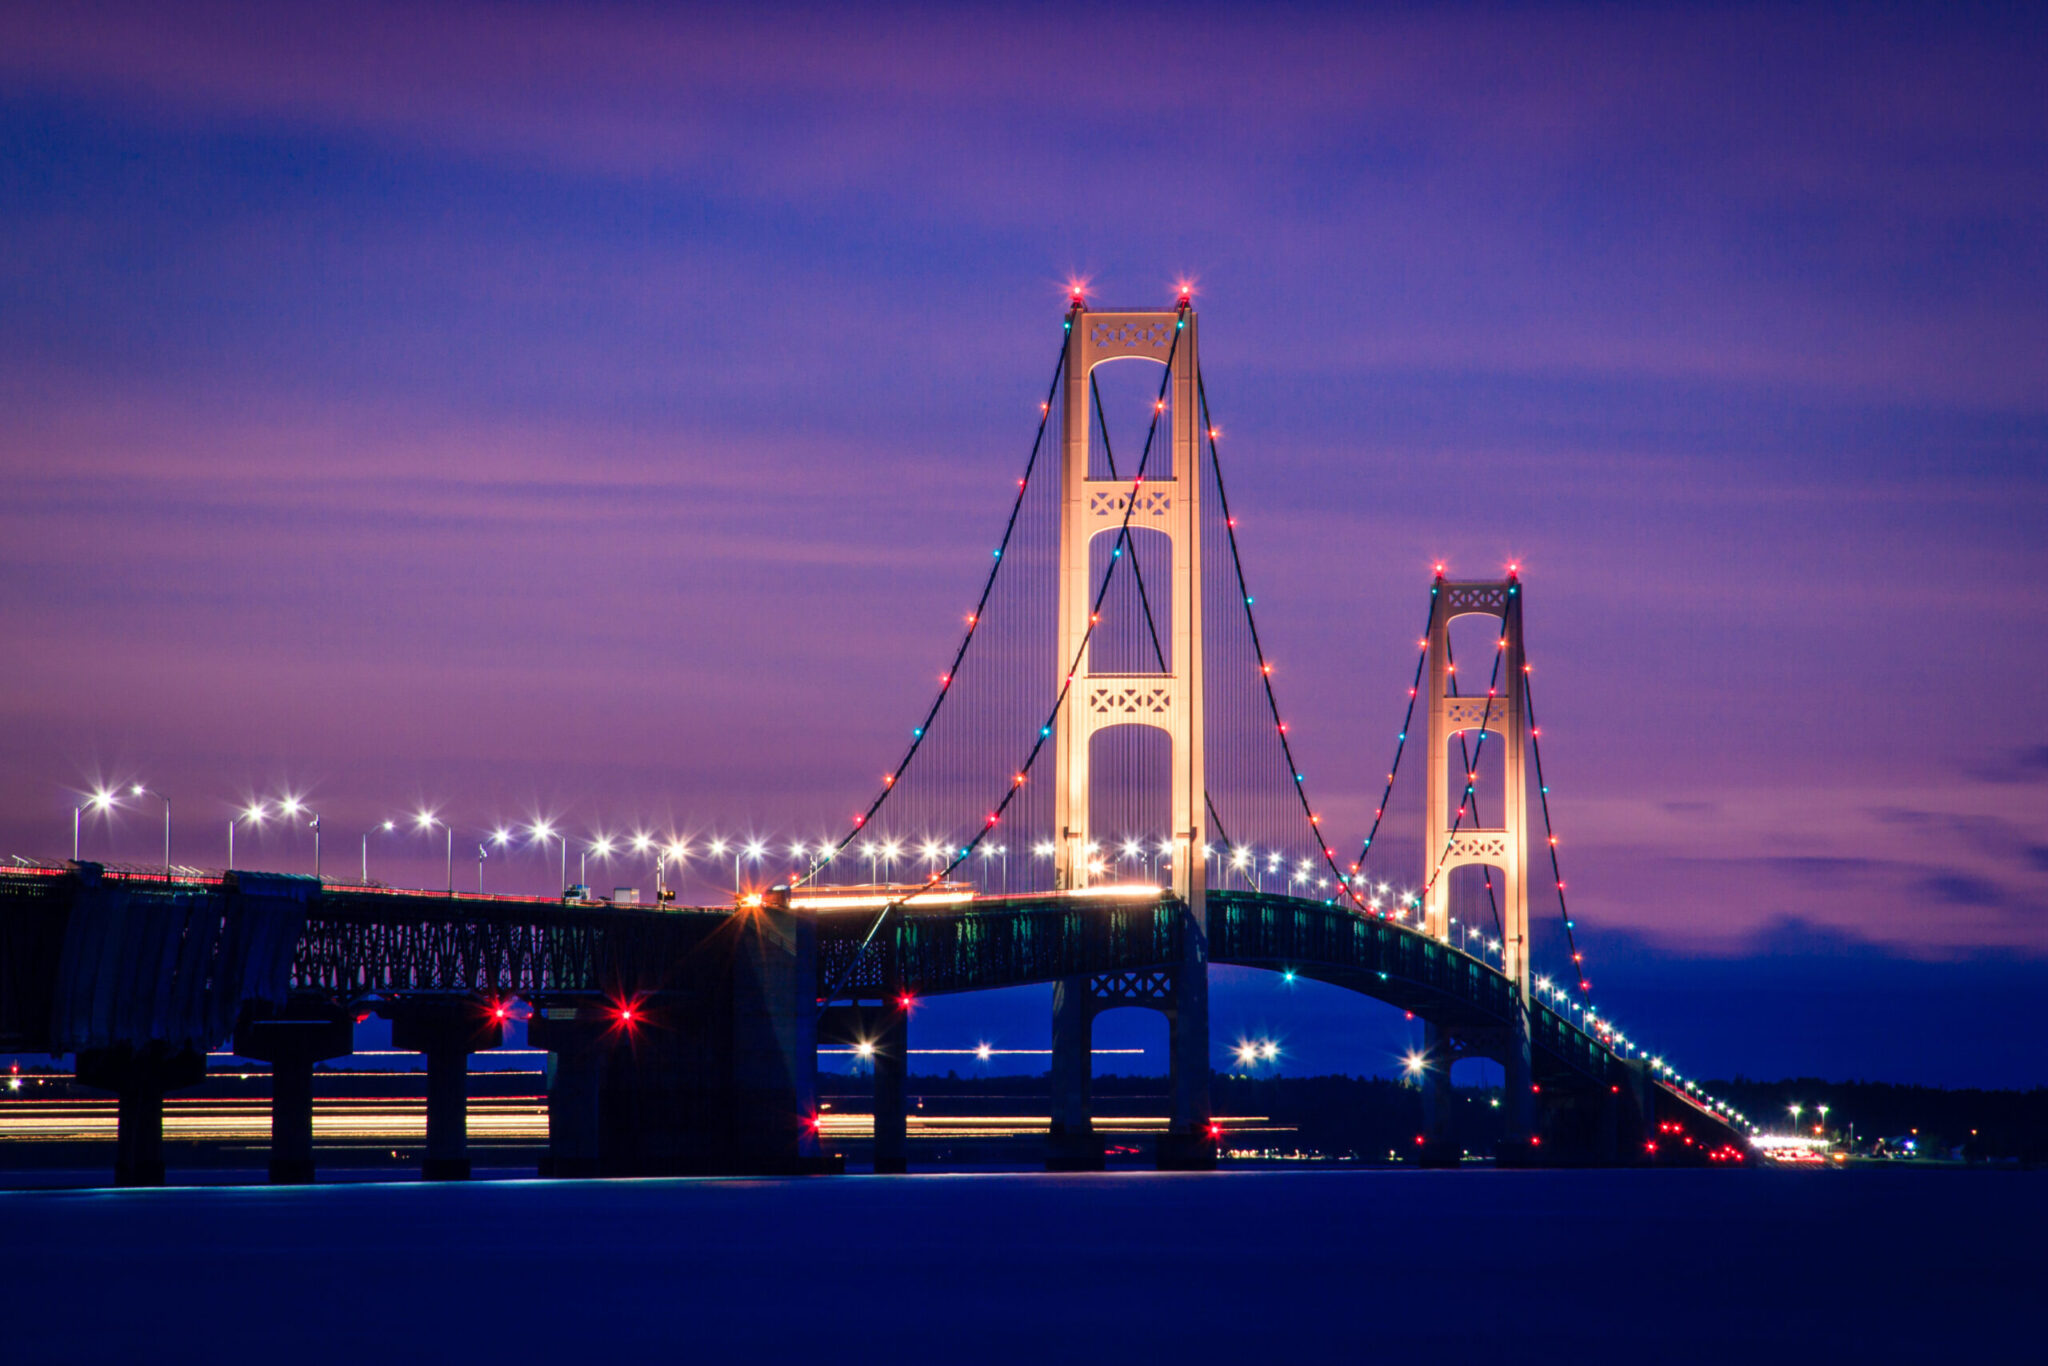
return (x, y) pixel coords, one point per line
(752, 850)
(254, 816)
(292, 806)
(388, 825)
(425, 823)
(500, 837)
(679, 851)
(542, 833)
(99, 801)
(143, 790)
(602, 847)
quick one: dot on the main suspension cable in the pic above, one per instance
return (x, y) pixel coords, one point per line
(923, 728)
(1045, 731)
(1315, 821)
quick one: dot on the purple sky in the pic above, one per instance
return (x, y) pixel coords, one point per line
(589, 412)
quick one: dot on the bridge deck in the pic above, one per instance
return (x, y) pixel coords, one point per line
(356, 941)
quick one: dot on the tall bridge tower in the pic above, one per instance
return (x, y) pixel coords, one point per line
(1451, 834)
(1169, 700)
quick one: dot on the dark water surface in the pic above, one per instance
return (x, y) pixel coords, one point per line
(1242, 1266)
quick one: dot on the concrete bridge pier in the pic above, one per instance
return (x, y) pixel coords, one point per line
(447, 1031)
(579, 1041)
(140, 1079)
(892, 1073)
(1072, 1145)
(308, 1031)
(1521, 1146)
(1437, 1148)
(1189, 1144)
(881, 1032)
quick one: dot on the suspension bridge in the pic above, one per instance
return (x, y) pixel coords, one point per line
(1110, 707)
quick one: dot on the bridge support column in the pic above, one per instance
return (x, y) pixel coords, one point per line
(140, 1081)
(1189, 1143)
(447, 1032)
(1520, 1145)
(1437, 1148)
(1072, 1145)
(307, 1032)
(579, 1041)
(892, 1070)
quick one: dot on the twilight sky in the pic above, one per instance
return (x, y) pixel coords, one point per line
(596, 412)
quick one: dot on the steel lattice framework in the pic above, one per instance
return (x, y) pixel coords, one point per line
(368, 941)
(1019, 941)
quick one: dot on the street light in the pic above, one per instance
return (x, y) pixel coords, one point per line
(99, 801)
(386, 826)
(602, 847)
(292, 806)
(542, 833)
(500, 837)
(142, 790)
(753, 849)
(425, 823)
(679, 851)
(254, 816)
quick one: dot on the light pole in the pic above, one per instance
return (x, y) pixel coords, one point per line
(679, 851)
(602, 847)
(99, 801)
(542, 833)
(752, 850)
(1822, 1110)
(292, 806)
(425, 823)
(500, 837)
(717, 848)
(254, 816)
(644, 844)
(386, 826)
(1795, 1109)
(143, 790)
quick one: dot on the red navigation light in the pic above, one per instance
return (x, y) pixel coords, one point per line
(1534, 1141)
(626, 1015)
(1215, 1130)
(1418, 1140)
(904, 1001)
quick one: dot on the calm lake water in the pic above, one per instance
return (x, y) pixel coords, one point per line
(1238, 1266)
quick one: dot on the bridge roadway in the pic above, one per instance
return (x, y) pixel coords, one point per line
(123, 964)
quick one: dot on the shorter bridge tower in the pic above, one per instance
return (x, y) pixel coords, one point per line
(1451, 835)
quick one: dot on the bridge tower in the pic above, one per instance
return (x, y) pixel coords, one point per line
(1450, 840)
(1170, 701)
